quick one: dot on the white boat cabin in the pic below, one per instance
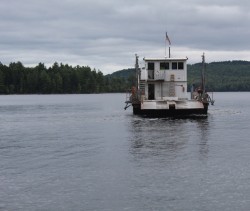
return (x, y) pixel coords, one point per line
(164, 79)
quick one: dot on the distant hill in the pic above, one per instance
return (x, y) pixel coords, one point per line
(220, 76)
(122, 73)
(63, 78)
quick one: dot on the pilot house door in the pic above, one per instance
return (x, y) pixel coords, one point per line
(151, 91)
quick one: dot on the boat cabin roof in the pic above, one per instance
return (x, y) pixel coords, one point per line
(164, 59)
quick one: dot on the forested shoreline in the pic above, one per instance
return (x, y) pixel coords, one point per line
(225, 76)
(66, 79)
(57, 79)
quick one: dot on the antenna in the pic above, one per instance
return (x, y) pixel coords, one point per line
(203, 73)
(137, 71)
(169, 42)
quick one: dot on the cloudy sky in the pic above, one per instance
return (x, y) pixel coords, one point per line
(106, 34)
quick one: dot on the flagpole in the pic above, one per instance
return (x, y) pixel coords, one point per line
(169, 42)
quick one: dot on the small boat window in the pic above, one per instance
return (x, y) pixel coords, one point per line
(164, 66)
(174, 65)
(180, 65)
(151, 66)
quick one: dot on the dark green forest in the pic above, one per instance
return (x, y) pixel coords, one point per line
(63, 78)
(222, 76)
(60, 78)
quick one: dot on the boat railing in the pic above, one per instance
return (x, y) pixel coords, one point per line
(160, 75)
(128, 99)
(203, 97)
(133, 96)
(128, 96)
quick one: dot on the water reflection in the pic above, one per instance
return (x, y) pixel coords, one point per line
(203, 128)
(168, 138)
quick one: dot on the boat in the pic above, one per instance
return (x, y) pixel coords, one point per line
(161, 89)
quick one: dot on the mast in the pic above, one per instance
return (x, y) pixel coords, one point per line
(203, 74)
(137, 71)
(169, 42)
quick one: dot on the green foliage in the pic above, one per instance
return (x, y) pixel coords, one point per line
(123, 73)
(60, 78)
(222, 76)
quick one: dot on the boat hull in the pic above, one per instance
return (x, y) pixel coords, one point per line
(168, 110)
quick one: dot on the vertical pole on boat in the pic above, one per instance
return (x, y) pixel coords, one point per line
(166, 50)
(192, 91)
(203, 73)
(169, 42)
(137, 71)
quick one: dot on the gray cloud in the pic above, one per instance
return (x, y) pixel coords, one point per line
(106, 34)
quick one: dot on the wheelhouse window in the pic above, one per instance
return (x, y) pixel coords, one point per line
(151, 66)
(164, 66)
(174, 65)
(177, 65)
(180, 66)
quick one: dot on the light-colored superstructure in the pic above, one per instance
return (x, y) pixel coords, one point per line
(164, 79)
(161, 89)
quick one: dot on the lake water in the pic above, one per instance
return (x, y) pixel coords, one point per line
(84, 152)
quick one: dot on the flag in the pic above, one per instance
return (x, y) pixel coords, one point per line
(167, 38)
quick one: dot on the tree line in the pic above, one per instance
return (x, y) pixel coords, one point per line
(57, 79)
(222, 76)
(63, 78)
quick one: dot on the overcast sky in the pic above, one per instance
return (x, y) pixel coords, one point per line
(106, 34)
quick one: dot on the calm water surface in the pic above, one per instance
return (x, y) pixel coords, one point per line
(84, 152)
